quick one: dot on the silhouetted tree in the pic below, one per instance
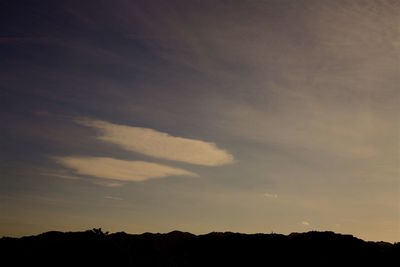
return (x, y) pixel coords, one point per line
(98, 231)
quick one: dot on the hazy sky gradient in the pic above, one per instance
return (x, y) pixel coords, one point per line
(250, 116)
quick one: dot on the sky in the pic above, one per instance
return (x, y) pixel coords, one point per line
(245, 116)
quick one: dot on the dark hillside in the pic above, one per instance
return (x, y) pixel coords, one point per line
(184, 249)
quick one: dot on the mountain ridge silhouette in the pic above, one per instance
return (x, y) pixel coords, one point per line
(176, 248)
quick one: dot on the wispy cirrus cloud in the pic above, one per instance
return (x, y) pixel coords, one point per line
(122, 170)
(159, 144)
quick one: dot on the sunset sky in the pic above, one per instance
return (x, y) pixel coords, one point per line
(246, 116)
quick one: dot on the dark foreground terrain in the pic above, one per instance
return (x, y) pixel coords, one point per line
(94, 247)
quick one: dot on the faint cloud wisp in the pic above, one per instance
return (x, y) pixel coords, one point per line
(113, 198)
(122, 170)
(269, 195)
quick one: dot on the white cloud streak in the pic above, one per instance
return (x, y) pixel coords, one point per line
(121, 170)
(159, 144)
